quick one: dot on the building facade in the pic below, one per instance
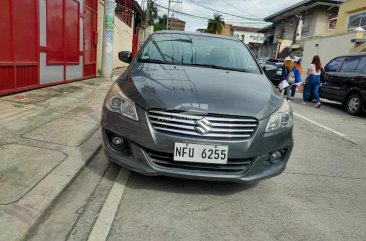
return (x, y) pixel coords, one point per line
(127, 30)
(248, 35)
(352, 14)
(176, 24)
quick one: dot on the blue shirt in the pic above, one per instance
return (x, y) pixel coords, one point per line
(286, 72)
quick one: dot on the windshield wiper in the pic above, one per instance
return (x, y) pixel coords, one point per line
(155, 61)
(213, 66)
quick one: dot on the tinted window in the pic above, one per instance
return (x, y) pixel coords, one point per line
(361, 66)
(334, 65)
(185, 49)
(350, 64)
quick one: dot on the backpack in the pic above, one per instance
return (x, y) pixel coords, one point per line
(291, 77)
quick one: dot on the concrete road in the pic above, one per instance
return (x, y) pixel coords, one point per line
(320, 196)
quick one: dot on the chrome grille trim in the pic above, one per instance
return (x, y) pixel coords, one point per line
(222, 127)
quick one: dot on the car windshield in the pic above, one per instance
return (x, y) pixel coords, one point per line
(197, 50)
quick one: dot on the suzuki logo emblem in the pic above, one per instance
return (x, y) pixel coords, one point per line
(203, 126)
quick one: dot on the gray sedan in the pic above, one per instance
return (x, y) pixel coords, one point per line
(196, 106)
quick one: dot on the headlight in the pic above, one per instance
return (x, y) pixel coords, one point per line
(282, 118)
(118, 102)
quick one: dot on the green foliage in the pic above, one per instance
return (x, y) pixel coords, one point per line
(160, 24)
(153, 14)
(216, 24)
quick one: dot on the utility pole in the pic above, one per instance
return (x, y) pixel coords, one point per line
(147, 19)
(108, 34)
(167, 19)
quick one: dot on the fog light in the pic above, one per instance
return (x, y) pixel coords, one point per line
(276, 157)
(117, 140)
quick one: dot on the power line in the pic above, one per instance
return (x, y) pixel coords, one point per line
(240, 9)
(218, 11)
(187, 14)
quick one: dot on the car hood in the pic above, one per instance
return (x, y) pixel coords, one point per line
(197, 89)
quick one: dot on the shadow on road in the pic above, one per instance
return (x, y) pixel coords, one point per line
(185, 186)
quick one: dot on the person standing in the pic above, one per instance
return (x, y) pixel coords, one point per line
(314, 72)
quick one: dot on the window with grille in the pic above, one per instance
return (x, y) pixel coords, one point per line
(124, 11)
(332, 22)
(357, 20)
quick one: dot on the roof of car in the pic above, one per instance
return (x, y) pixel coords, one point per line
(353, 54)
(195, 33)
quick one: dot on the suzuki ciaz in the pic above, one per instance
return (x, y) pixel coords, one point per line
(196, 106)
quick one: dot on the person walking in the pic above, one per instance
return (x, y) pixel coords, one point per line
(287, 75)
(314, 72)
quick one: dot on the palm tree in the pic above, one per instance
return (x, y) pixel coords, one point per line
(216, 24)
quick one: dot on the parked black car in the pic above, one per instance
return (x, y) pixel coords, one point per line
(345, 81)
(266, 64)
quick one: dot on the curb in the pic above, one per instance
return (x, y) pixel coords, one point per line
(40, 219)
(20, 220)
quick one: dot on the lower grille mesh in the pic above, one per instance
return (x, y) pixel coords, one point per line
(166, 160)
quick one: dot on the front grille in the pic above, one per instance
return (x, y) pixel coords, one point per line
(223, 127)
(166, 160)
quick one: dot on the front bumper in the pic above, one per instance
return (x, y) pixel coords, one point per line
(142, 139)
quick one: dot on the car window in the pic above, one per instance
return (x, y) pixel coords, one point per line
(186, 49)
(334, 65)
(350, 64)
(361, 66)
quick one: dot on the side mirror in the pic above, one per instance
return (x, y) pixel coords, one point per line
(125, 56)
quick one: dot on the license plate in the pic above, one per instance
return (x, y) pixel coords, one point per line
(215, 154)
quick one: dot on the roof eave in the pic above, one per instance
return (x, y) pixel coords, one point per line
(137, 7)
(305, 3)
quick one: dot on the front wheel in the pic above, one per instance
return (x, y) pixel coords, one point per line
(354, 104)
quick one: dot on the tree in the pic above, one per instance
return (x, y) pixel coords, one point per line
(216, 24)
(160, 24)
(153, 14)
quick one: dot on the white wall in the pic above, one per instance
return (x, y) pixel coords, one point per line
(247, 37)
(122, 40)
(328, 47)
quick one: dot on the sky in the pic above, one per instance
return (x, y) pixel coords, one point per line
(248, 13)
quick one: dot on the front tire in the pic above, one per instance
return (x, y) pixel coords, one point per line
(354, 104)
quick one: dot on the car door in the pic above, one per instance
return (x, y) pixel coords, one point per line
(346, 78)
(361, 83)
(361, 71)
(331, 72)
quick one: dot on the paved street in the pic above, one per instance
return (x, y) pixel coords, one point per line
(320, 196)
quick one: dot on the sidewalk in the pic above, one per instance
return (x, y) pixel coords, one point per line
(46, 138)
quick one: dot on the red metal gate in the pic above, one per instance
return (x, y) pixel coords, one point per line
(43, 48)
(90, 38)
(19, 42)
